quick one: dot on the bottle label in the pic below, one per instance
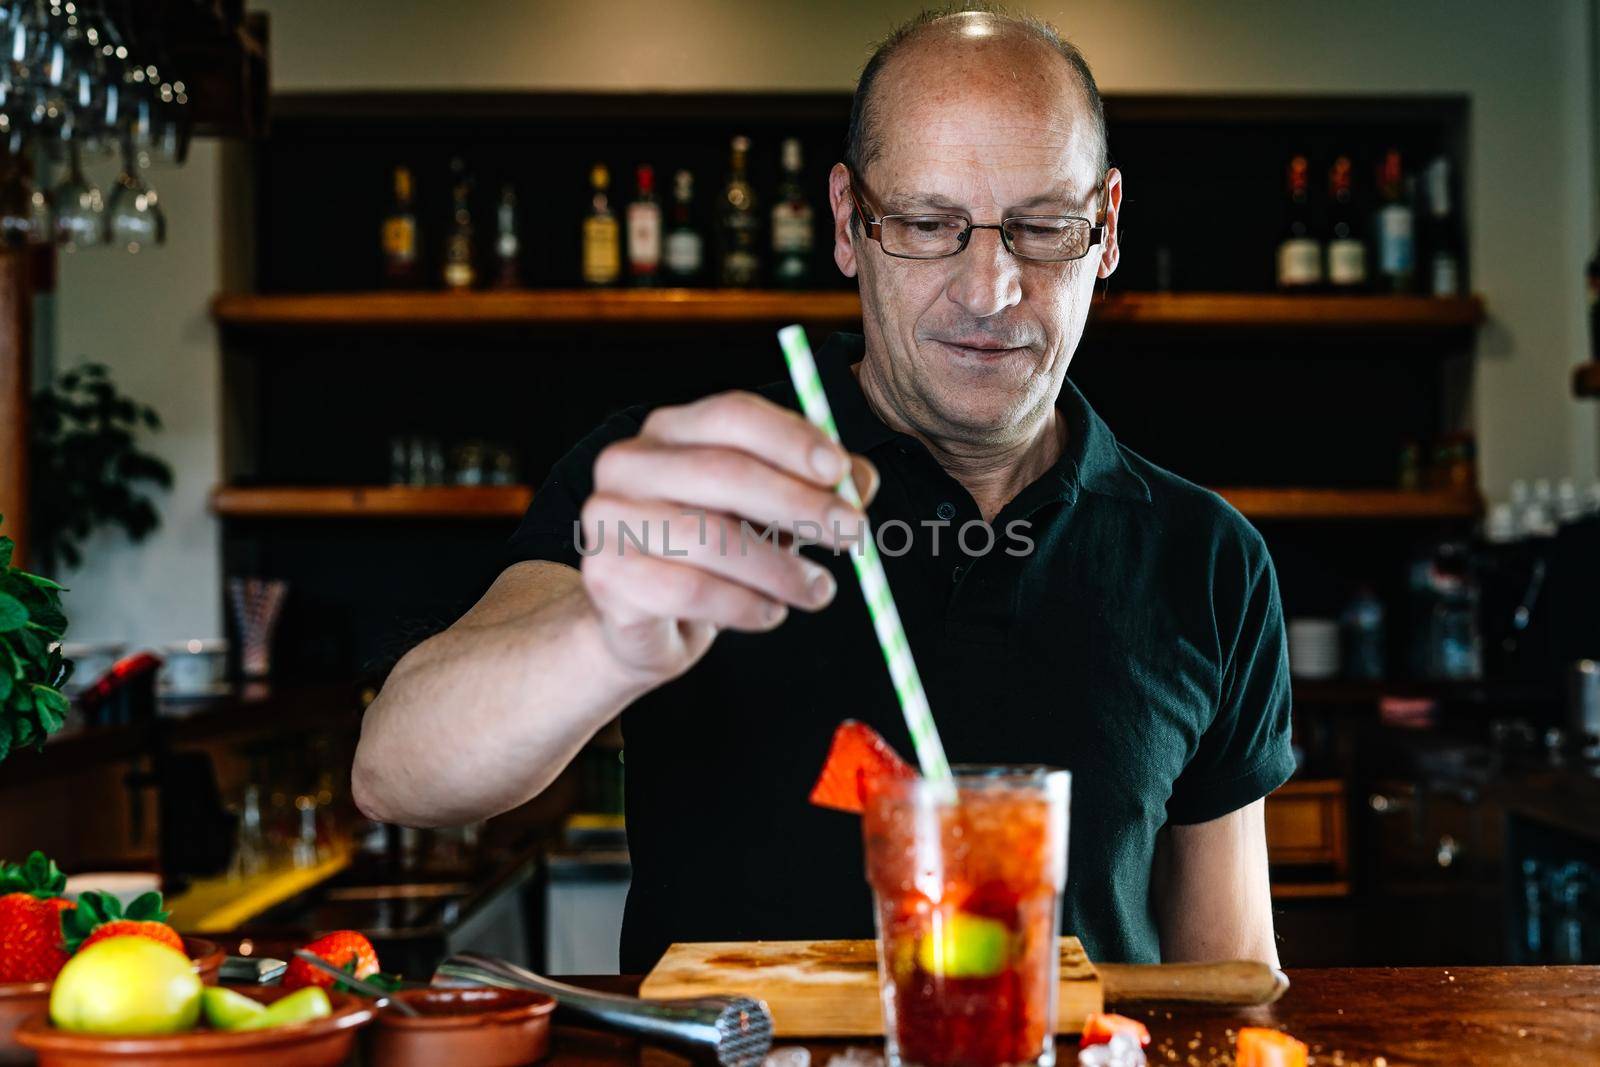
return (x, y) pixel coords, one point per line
(740, 268)
(602, 260)
(400, 239)
(1446, 275)
(1394, 239)
(791, 228)
(1347, 261)
(644, 237)
(1299, 262)
(684, 252)
(506, 246)
(458, 275)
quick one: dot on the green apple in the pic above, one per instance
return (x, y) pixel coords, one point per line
(964, 946)
(301, 1006)
(225, 1009)
(126, 985)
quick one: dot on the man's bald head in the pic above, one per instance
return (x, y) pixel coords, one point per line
(946, 29)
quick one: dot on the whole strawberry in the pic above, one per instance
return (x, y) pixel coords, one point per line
(99, 916)
(347, 950)
(31, 907)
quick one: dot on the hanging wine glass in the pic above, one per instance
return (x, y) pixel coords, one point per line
(80, 210)
(84, 79)
(41, 226)
(136, 217)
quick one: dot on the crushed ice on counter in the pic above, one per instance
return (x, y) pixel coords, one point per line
(1120, 1051)
(857, 1057)
(788, 1056)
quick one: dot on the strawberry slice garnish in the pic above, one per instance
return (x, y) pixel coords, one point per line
(858, 758)
(1100, 1028)
(347, 950)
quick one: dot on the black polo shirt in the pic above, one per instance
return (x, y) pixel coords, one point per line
(1139, 644)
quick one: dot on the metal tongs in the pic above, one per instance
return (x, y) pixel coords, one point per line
(731, 1031)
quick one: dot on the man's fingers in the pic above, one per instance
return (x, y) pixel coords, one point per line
(752, 424)
(725, 480)
(865, 475)
(617, 527)
(634, 585)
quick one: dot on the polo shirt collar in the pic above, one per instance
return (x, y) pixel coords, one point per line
(1092, 462)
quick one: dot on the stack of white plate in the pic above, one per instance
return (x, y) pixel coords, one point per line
(1314, 648)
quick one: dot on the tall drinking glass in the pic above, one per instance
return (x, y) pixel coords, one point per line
(967, 895)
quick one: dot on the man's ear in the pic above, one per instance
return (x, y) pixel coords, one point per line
(844, 248)
(1111, 249)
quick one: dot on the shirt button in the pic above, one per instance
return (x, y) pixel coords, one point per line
(945, 511)
(955, 575)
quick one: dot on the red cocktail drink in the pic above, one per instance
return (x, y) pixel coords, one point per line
(968, 908)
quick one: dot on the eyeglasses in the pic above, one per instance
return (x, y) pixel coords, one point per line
(1042, 238)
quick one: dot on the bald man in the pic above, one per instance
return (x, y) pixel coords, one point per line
(1070, 603)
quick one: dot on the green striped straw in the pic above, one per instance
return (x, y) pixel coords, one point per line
(869, 571)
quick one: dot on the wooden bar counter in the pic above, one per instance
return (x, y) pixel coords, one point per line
(1351, 1017)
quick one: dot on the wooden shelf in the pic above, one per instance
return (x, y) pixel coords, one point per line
(1586, 379)
(497, 502)
(1190, 311)
(1355, 504)
(1281, 311)
(376, 501)
(248, 713)
(534, 307)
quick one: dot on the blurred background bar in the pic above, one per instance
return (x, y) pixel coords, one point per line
(404, 254)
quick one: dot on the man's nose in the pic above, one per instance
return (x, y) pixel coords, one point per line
(987, 277)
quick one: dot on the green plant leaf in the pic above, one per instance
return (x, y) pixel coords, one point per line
(5, 686)
(50, 618)
(52, 707)
(5, 740)
(13, 615)
(7, 546)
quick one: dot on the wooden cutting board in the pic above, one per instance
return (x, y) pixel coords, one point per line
(826, 988)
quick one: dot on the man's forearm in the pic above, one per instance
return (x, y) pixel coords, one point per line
(1210, 890)
(483, 716)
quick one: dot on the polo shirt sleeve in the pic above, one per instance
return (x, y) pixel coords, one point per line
(1245, 753)
(549, 530)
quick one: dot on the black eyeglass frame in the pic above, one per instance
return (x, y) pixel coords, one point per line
(874, 226)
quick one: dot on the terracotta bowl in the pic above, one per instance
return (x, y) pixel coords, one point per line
(319, 1043)
(483, 1027)
(18, 1000)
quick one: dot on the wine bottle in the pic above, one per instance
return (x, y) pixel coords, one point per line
(1347, 253)
(1299, 252)
(602, 254)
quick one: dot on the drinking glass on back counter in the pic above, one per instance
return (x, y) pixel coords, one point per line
(967, 897)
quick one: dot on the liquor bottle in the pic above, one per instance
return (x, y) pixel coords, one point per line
(1299, 252)
(1396, 242)
(791, 224)
(507, 245)
(400, 268)
(644, 229)
(685, 249)
(458, 269)
(602, 254)
(741, 263)
(1443, 240)
(1347, 253)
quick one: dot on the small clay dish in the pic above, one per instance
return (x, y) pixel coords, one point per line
(483, 1027)
(326, 1042)
(18, 1000)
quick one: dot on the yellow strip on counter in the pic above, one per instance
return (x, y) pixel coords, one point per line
(219, 905)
